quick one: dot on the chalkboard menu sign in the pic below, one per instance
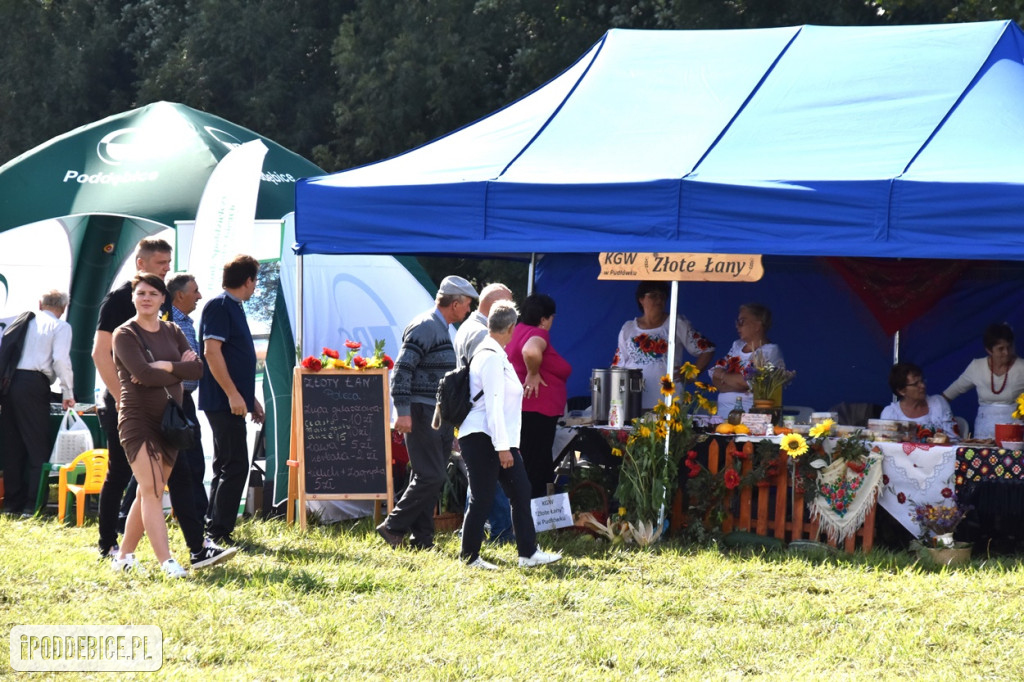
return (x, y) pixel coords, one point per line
(341, 435)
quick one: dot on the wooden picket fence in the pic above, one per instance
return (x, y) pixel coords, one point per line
(759, 513)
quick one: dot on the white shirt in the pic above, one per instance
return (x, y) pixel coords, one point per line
(939, 414)
(499, 411)
(647, 350)
(48, 350)
(978, 376)
(727, 401)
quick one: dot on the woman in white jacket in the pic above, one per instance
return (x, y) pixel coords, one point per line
(489, 440)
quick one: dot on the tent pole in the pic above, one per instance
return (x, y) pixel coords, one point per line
(533, 271)
(298, 307)
(896, 347)
(670, 363)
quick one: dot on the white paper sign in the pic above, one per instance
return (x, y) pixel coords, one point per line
(759, 424)
(551, 512)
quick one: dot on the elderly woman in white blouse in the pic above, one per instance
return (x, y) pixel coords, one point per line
(913, 403)
(489, 440)
(998, 378)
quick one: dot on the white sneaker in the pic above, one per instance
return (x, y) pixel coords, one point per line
(539, 558)
(480, 563)
(124, 565)
(173, 569)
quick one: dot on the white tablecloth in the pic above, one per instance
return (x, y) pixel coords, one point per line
(915, 473)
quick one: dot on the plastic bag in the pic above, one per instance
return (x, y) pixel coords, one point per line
(73, 438)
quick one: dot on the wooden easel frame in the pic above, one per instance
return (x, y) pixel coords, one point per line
(296, 465)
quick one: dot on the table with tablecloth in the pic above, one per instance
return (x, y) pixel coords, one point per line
(990, 480)
(913, 474)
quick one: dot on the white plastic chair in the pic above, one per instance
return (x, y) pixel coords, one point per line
(963, 427)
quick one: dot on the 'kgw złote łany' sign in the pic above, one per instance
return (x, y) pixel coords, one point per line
(681, 267)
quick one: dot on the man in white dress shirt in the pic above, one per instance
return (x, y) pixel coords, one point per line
(25, 410)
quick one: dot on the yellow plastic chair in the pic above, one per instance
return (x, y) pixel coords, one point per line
(95, 462)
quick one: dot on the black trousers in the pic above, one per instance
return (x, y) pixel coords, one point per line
(26, 433)
(179, 485)
(485, 473)
(230, 471)
(428, 454)
(195, 458)
(536, 441)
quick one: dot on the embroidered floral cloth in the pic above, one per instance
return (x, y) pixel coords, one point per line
(847, 497)
(914, 473)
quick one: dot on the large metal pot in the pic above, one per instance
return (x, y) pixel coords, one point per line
(627, 385)
(600, 395)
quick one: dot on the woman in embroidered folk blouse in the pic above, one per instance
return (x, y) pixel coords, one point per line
(752, 326)
(998, 378)
(643, 341)
(914, 404)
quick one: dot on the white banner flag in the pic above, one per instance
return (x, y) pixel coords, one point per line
(224, 221)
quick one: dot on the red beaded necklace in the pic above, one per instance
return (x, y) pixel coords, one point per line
(992, 378)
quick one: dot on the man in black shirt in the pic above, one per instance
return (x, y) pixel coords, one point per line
(154, 256)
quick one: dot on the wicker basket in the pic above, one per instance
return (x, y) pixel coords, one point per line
(447, 522)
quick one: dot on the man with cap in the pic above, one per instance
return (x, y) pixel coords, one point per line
(426, 355)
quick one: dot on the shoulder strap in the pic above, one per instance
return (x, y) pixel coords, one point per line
(478, 351)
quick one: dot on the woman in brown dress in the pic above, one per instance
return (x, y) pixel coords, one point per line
(152, 358)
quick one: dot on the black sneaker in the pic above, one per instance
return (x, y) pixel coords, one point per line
(228, 541)
(212, 555)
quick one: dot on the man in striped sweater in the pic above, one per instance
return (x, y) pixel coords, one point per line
(426, 355)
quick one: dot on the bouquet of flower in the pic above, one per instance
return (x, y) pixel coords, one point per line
(938, 520)
(648, 473)
(766, 379)
(1019, 412)
(810, 456)
(331, 359)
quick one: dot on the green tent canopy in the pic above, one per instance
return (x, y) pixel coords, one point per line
(117, 180)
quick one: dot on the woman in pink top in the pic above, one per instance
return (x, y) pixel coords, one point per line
(543, 373)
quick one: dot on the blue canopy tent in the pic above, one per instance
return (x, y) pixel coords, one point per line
(887, 142)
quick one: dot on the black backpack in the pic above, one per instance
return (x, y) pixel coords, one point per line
(11, 348)
(453, 399)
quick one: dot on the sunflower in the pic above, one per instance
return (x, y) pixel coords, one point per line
(667, 386)
(821, 429)
(688, 371)
(793, 444)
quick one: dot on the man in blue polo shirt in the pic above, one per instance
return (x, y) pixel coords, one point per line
(227, 392)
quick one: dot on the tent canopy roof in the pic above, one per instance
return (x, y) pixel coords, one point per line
(811, 140)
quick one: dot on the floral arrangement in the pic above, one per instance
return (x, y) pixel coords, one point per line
(937, 520)
(766, 380)
(331, 359)
(810, 456)
(1019, 412)
(648, 474)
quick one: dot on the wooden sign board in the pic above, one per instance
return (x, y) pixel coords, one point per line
(341, 436)
(681, 267)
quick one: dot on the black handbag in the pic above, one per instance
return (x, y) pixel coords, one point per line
(176, 428)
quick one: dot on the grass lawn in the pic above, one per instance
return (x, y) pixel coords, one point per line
(337, 603)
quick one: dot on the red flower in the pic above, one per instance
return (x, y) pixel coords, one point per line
(660, 346)
(359, 361)
(691, 455)
(885, 479)
(312, 363)
(389, 362)
(331, 353)
(353, 345)
(856, 467)
(901, 498)
(947, 493)
(732, 479)
(694, 469)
